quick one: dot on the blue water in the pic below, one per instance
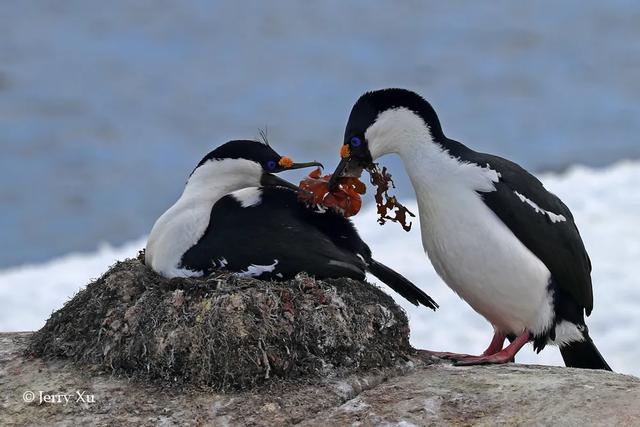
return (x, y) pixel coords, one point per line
(105, 107)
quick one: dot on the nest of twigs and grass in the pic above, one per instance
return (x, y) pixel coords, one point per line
(224, 332)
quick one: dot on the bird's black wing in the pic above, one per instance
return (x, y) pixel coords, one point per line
(556, 243)
(274, 229)
(335, 227)
(321, 243)
(343, 234)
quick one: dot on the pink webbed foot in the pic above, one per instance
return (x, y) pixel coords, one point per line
(445, 354)
(494, 347)
(492, 359)
(504, 356)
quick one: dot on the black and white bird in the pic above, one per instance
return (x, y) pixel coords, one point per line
(236, 215)
(493, 233)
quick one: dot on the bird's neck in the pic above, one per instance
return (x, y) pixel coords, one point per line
(430, 168)
(439, 177)
(214, 180)
(184, 223)
(191, 212)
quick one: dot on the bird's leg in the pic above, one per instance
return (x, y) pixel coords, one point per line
(503, 356)
(496, 346)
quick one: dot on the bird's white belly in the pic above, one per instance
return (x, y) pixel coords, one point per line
(483, 262)
(177, 230)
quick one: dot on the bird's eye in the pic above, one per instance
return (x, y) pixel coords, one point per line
(271, 165)
(356, 142)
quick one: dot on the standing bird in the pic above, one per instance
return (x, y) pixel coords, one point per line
(235, 215)
(493, 233)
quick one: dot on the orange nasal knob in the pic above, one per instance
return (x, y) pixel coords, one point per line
(285, 162)
(344, 151)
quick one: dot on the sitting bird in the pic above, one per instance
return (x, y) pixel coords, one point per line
(493, 233)
(236, 215)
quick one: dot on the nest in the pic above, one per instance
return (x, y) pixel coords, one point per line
(224, 332)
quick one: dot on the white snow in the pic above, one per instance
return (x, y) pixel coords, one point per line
(30, 293)
(605, 204)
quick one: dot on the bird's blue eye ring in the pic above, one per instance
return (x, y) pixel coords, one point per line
(271, 165)
(356, 142)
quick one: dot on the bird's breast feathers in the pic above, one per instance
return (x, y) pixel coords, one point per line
(479, 257)
(174, 233)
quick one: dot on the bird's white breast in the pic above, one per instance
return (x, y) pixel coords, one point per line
(474, 252)
(184, 223)
(482, 261)
(177, 230)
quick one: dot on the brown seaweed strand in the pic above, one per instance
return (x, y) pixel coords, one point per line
(384, 202)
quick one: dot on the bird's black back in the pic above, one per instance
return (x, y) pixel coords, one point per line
(558, 245)
(279, 228)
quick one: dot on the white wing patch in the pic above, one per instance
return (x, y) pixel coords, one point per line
(567, 332)
(319, 208)
(248, 196)
(552, 216)
(256, 270)
(492, 174)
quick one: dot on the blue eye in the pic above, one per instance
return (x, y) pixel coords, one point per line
(271, 165)
(356, 142)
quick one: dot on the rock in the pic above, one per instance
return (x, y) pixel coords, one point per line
(135, 348)
(224, 332)
(422, 394)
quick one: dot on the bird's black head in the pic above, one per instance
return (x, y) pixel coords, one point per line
(381, 122)
(246, 163)
(257, 152)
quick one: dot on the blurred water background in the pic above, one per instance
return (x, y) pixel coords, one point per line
(105, 107)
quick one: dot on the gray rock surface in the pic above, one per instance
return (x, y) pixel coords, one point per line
(133, 348)
(416, 394)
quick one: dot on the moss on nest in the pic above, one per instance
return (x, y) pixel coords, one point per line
(223, 331)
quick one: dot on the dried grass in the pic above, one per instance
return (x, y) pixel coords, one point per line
(224, 332)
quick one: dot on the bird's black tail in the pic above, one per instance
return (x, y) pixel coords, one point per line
(583, 354)
(400, 284)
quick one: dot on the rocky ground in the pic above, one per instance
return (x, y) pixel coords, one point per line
(137, 349)
(416, 394)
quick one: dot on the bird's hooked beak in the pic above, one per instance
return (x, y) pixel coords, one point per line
(271, 180)
(304, 165)
(348, 167)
